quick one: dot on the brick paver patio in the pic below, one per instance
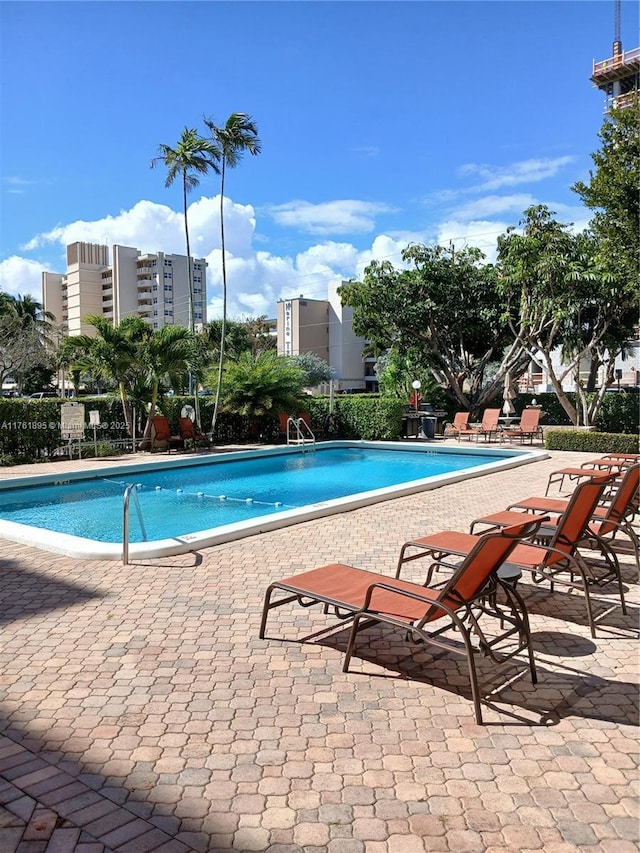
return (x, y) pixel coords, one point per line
(140, 711)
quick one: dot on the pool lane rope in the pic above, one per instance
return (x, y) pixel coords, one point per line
(199, 495)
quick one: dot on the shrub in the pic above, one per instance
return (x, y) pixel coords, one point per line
(360, 416)
(619, 412)
(590, 442)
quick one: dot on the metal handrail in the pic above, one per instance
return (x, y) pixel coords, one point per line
(298, 426)
(132, 489)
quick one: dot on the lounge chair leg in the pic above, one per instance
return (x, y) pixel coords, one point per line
(351, 643)
(265, 612)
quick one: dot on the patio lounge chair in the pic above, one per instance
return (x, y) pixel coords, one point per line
(487, 428)
(612, 516)
(556, 557)
(425, 613)
(161, 438)
(190, 433)
(460, 421)
(591, 468)
(529, 427)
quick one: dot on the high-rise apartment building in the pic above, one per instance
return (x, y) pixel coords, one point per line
(153, 286)
(324, 327)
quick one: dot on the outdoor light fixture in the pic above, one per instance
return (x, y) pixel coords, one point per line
(416, 385)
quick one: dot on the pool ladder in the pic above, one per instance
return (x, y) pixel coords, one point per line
(132, 489)
(299, 432)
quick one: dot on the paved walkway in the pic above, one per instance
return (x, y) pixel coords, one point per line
(140, 712)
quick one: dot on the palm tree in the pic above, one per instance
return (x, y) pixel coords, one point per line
(113, 354)
(192, 156)
(263, 384)
(237, 136)
(166, 353)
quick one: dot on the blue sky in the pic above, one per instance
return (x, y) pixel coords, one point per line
(382, 123)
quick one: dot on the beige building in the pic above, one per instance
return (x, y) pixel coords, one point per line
(324, 327)
(152, 286)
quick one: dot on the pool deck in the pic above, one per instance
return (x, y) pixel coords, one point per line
(140, 713)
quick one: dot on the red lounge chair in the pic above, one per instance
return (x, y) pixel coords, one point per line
(612, 516)
(529, 427)
(487, 428)
(189, 432)
(593, 468)
(556, 557)
(460, 422)
(161, 438)
(420, 611)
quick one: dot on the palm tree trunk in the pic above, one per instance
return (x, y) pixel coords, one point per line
(186, 234)
(192, 390)
(126, 408)
(223, 328)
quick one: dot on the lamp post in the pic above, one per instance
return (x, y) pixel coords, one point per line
(618, 376)
(416, 385)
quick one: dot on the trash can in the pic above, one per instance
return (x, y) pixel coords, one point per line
(428, 421)
(428, 426)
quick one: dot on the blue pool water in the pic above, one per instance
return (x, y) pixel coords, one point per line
(175, 501)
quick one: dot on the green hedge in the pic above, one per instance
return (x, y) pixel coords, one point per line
(619, 412)
(590, 442)
(359, 416)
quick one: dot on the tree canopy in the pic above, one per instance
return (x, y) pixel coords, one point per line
(446, 311)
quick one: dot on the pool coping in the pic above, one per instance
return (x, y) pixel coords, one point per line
(89, 549)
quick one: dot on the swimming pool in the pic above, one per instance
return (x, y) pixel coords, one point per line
(183, 504)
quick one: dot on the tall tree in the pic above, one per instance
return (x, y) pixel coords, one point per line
(25, 338)
(612, 193)
(237, 136)
(564, 302)
(192, 157)
(446, 312)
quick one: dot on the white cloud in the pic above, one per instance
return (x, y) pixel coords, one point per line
(492, 205)
(343, 216)
(523, 172)
(258, 278)
(480, 233)
(21, 276)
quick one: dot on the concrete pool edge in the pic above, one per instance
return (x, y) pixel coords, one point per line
(89, 549)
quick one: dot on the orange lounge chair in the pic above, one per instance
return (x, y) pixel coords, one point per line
(555, 554)
(592, 468)
(161, 438)
(420, 611)
(612, 516)
(460, 422)
(189, 432)
(487, 428)
(529, 427)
